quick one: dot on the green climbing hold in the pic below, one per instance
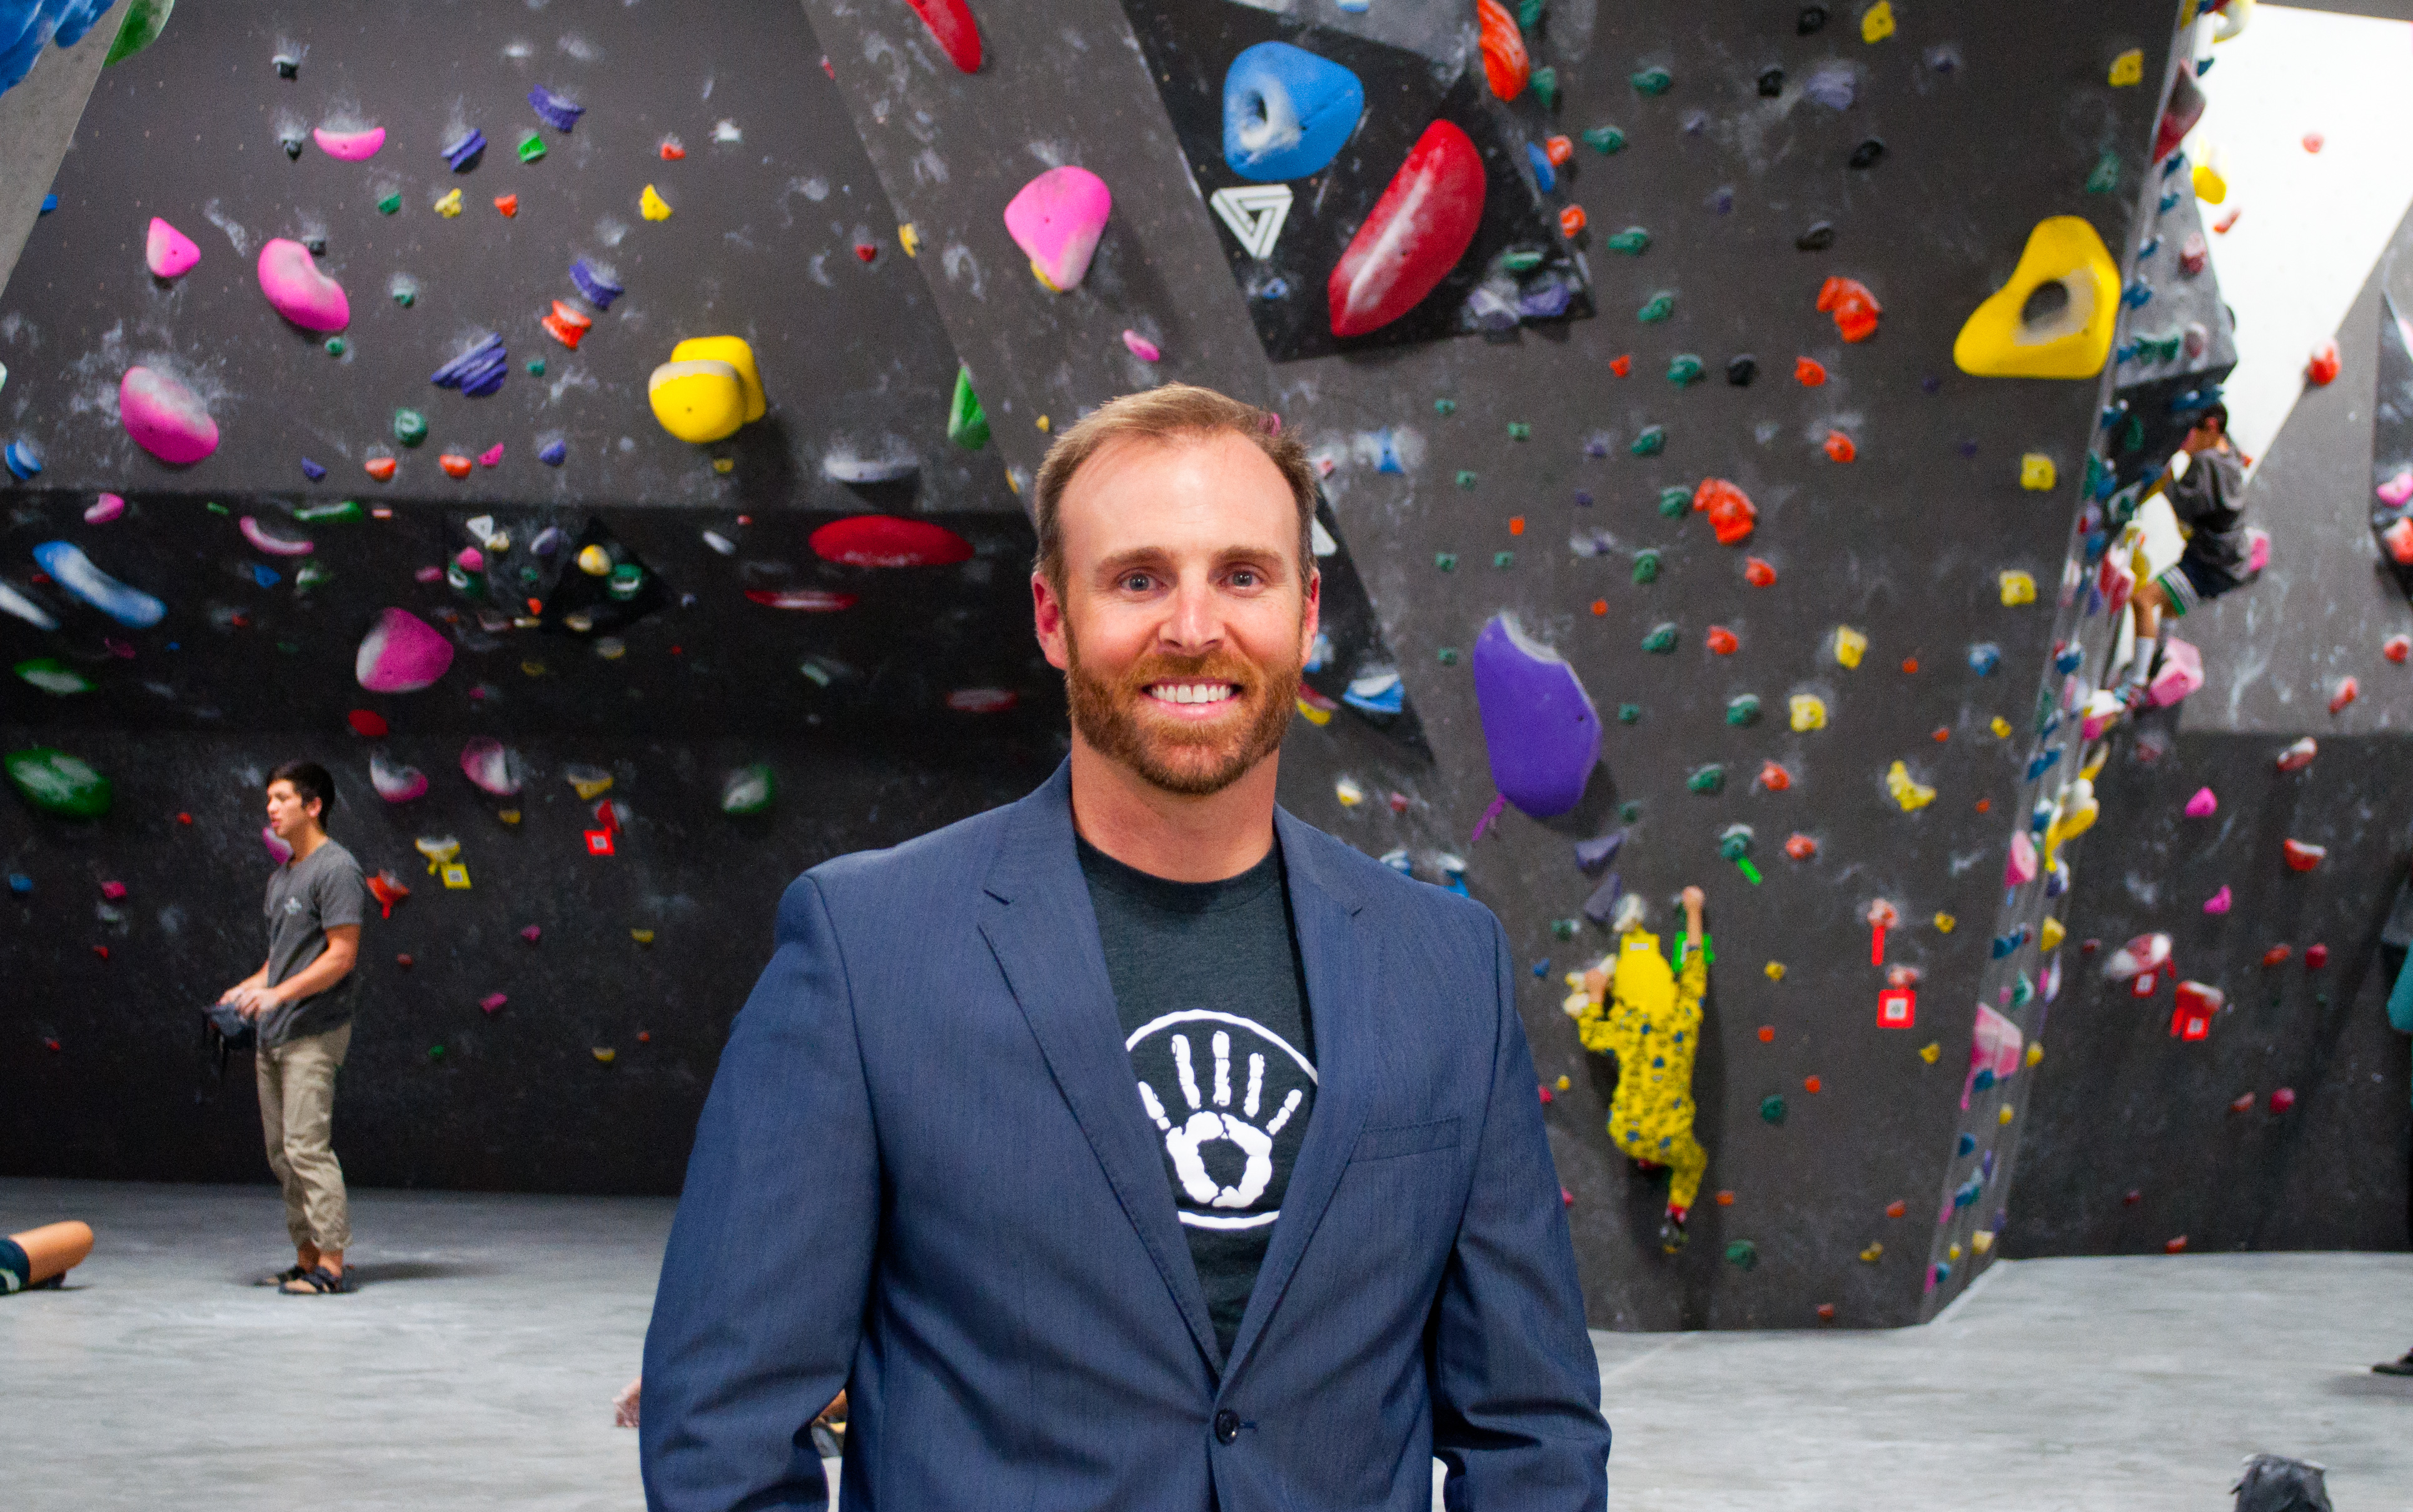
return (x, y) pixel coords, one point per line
(1708, 779)
(337, 346)
(1604, 140)
(1446, 656)
(1520, 259)
(1465, 478)
(144, 21)
(53, 677)
(1633, 240)
(966, 422)
(1771, 1108)
(1651, 80)
(406, 295)
(1734, 843)
(1446, 560)
(1742, 1253)
(311, 575)
(1650, 442)
(57, 783)
(409, 426)
(1444, 406)
(1528, 13)
(2132, 435)
(1630, 810)
(1742, 709)
(1646, 567)
(1630, 713)
(2097, 474)
(1504, 558)
(1673, 502)
(1661, 640)
(1684, 368)
(2106, 177)
(436, 1052)
(1519, 431)
(1563, 928)
(531, 147)
(1544, 81)
(342, 512)
(217, 507)
(2022, 991)
(748, 790)
(1657, 308)
(391, 204)
(627, 580)
(535, 367)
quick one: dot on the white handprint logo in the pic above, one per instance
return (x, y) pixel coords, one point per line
(1211, 1119)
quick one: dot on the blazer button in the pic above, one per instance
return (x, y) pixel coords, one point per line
(1227, 1426)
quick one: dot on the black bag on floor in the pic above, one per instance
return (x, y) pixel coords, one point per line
(2275, 1484)
(224, 1031)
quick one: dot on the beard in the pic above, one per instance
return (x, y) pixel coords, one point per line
(1112, 716)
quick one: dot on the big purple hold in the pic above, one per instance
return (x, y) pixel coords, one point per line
(601, 292)
(477, 372)
(1538, 724)
(463, 153)
(558, 114)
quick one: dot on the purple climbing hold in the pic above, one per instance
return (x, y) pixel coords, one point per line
(1539, 725)
(312, 470)
(1601, 906)
(558, 114)
(552, 454)
(464, 153)
(1592, 854)
(477, 372)
(598, 287)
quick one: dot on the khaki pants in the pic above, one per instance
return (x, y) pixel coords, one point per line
(297, 1113)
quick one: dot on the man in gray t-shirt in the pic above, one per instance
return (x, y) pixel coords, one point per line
(302, 1000)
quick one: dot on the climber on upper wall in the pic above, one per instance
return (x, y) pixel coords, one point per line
(2207, 492)
(1634, 1007)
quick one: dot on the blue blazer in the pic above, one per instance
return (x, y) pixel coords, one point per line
(924, 1174)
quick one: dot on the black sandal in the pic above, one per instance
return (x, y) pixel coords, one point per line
(288, 1273)
(318, 1282)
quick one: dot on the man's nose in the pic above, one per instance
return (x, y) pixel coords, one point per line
(1195, 624)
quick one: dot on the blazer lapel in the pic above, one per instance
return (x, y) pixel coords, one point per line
(1340, 1011)
(1038, 922)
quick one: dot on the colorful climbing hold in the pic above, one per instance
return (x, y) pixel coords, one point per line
(1839, 447)
(1855, 309)
(1732, 514)
(297, 291)
(1287, 112)
(1808, 712)
(1911, 795)
(2070, 335)
(1058, 219)
(651, 205)
(164, 417)
(1415, 233)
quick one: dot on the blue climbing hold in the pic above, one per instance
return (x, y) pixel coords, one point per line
(1984, 658)
(267, 577)
(312, 470)
(1968, 1145)
(1287, 112)
(22, 463)
(558, 114)
(50, 202)
(552, 454)
(598, 289)
(477, 372)
(464, 153)
(2042, 762)
(1545, 176)
(20, 883)
(71, 569)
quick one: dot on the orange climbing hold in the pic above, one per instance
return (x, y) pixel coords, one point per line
(509, 204)
(1516, 525)
(1558, 150)
(567, 324)
(1897, 1207)
(1768, 1034)
(1774, 777)
(1622, 365)
(454, 465)
(1855, 309)
(2347, 689)
(1809, 372)
(1506, 64)
(1731, 513)
(1722, 641)
(672, 149)
(1910, 666)
(1801, 846)
(1839, 447)
(1811, 1085)
(2322, 369)
(380, 469)
(1759, 573)
(1571, 220)
(1600, 606)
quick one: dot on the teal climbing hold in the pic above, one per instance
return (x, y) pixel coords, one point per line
(1742, 709)
(1444, 406)
(1673, 502)
(1650, 442)
(1545, 84)
(1630, 713)
(1742, 1253)
(1633, 240)
(1646, 567)
(1655, 309)
(2106, 177)
(1465, 478)
(1604, 140)
(1684, 369)
(1504, 558)
(1710, 778)
(1519, 431)
(1446, 560)
(1650, 80)
(1661, 640)
(1771, 1108)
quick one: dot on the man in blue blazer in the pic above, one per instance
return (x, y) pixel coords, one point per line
(1134, 1146)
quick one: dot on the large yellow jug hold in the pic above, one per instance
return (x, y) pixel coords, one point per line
(708, 387)
(2055, 318)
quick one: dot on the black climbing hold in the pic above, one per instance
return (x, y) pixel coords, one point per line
(1741, 370)
(1867, 153)
(318, 245)
(1819, 237)
(288, 65)
(293, 148)
(1771, 83)
(1810, 18)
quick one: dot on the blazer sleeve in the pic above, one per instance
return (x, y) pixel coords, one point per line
(760, 1301)
(1516, 1386)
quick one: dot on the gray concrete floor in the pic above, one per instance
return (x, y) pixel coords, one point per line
(476, 1368)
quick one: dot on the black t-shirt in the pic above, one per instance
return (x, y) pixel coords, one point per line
(1213, 1002)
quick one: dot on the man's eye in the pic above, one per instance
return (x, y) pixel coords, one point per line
(1136, 582)
(1245, 578)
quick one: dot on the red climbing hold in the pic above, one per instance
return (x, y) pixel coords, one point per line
(951, 23)
(2398, 538)
(1768, 1034)
(101, 951)
(2323, 368)
(367, 722)
(509, 204)
(1571, 221)
(454, 465)
(2174, 1246)
(1897, 1207)
(2242, 1103)
(380, 469)
(1809, 372)
(2347, 689)
(2316, 956)
(2277, 955)
(887, 540)
(2282, 1099)
(807, 600)
(1731, 513)
(1759, 573)
(672, 149)
(1839, 446)
(864, 251)
(1801, 846)
(1774, 777)
(567, 324)
(2397, 647)
(2302, 857)
(1506, 64)
(1414, 234)
(1855, 309)
(1723, 642)
(1621, 365)
(1559, 150)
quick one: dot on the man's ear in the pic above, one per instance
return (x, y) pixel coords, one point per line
(1048, 621)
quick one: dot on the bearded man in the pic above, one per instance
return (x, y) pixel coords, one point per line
(1134, 1146)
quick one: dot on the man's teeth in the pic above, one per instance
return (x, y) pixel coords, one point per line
(1191, 692)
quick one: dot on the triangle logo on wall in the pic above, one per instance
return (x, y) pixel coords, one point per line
(1254, 215)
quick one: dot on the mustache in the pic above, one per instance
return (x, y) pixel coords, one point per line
(1166, 667)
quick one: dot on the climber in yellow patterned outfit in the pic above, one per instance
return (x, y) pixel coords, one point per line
(1652, 1023)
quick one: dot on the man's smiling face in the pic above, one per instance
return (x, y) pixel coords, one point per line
(1185, 613)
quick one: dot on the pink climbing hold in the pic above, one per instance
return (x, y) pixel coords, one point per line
(2203, 805)
(164, 418)
(470, 559)
(110, 506)
(169, 251)
(278, 851)
(2020, 868)
(274, 546)
(1143, 349)
(350, 146)
(1056, 219)
(2346, 692)
(2300, 755)
(1414, 234)
(401, 654)
(531, 934)
(493, 1002)
(2397, 489)
(2219, 901)
(2182, 673)
(299, 291)
(487, 762)
(1995, 1046)
(492, 456)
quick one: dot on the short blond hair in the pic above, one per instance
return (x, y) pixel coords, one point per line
(1175, 411)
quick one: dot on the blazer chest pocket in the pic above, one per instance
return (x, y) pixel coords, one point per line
(1406, 1139)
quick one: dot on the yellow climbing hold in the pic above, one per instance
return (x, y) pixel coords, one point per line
(1312, 715)
(2072, 341)
(1872, 1254)
(2017, 588)
(2049, 938)
(1931, 1052)
(708, 387)
(589, 783)
(643, 937)
(651, 206)
(1565, 1082)
(1809, 712)
(532, 669)
(601, 1053)
(2128, 69)
(1876, 22)
(1945, 924)
(450, 205)
(2035, 1051)
(438, 851)
(1349, 792)
(2001, 727)
(1952, 1252)
(2211, 182)
(1775, 971)
(2004, 1117)
(909, 239)
(1910, 795)
(594, 561)
(724, 463)
(1041, 423)
(456, 876)
(509, 816)
(1850, 645)
(2037, 472)
(1982, 1241)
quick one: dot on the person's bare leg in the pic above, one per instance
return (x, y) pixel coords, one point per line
(54, 1249)
(332, 1261)
(2147, 605)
